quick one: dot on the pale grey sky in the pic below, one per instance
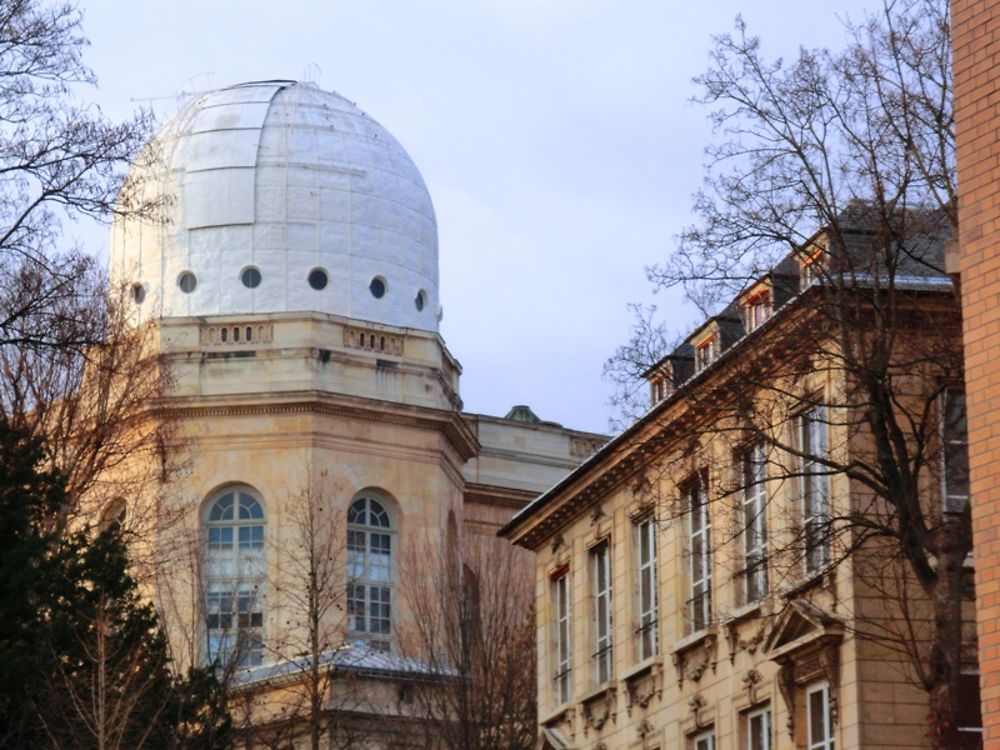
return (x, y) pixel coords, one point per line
(556, 138)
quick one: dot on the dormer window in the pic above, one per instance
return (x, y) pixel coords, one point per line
(659, 389)
(757, 310)
(811, 267)
(706, 352)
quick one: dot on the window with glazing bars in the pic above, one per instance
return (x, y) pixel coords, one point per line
(369, 574)
(754, 524)
(563, 654)
(600, 558)
(758, 729)
(699, 602)
(646, 562)
(814, 488)
(703, 741)
(954, 451)
(819, 726)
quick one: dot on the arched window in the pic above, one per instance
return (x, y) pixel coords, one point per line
(234, 578)
(370, 573)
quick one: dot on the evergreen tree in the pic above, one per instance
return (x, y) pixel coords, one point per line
(85, 663)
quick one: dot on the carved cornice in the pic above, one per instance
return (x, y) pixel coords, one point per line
(503, 497)
(450, 423)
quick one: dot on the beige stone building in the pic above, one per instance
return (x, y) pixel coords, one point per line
(320, 457)
(704, 581)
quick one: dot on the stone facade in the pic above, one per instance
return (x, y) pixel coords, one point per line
(682, 603)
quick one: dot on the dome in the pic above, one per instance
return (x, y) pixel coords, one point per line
(279, 197)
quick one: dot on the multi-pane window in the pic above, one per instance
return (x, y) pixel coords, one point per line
(814, 487)
(752, 468)
(235, 621)
(234, 579)
(954, 451)
(600, 560)
(705, 353)
(758, 310)
(369, 574)
(819, 724)
(648, 630)
(563, 654)
(703, 741)
(758, 729)
(699, 601)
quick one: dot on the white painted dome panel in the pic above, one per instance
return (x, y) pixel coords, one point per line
(286, 178)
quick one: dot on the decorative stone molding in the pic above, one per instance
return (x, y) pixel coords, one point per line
(642, 686)
(598, 708)
(557, 542)
(751, 681)
(564, 717)
(697, 704)
(805, 643)
(640, 510)
(600, 527)
(235, 334)
(693, 659)
(581, 447)
(736, 642)
(644, 729)
(371, 340)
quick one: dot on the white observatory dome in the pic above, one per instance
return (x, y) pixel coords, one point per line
(280, 197)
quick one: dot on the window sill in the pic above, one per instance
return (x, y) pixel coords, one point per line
(825, 576)
(600, 691)
(745, 612)
(695, 639)
(641, 668)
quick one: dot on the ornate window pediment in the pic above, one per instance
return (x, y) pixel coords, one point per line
(805, 643)
(801, 621)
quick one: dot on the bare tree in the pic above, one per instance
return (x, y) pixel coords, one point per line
(311, 596)
(59, 159)
(841, 165)
(473, 626)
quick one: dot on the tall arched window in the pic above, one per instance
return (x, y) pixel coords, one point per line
(234, 578)
(369, 573)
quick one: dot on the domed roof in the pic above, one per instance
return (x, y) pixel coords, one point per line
(281, 197)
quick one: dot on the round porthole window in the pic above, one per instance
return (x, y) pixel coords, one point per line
(318, 279)
(250, 276)
(138, 293)
(377, 287)
(420, 300)
(187, 282)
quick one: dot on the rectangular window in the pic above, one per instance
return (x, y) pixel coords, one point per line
(234, 621)
(814, 488)
(699, 603)
(954, 451)
(753, 471)
(649, 613)
(970, 717)
(758, 310)
(705, 353)
(703, 741)
(758, 729)
(563, 655)
(819, 726)
(603, 645)
(369, 589)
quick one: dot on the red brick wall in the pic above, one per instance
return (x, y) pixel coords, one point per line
(976, 46)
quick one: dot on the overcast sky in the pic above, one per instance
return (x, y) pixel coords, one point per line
(556, 138)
